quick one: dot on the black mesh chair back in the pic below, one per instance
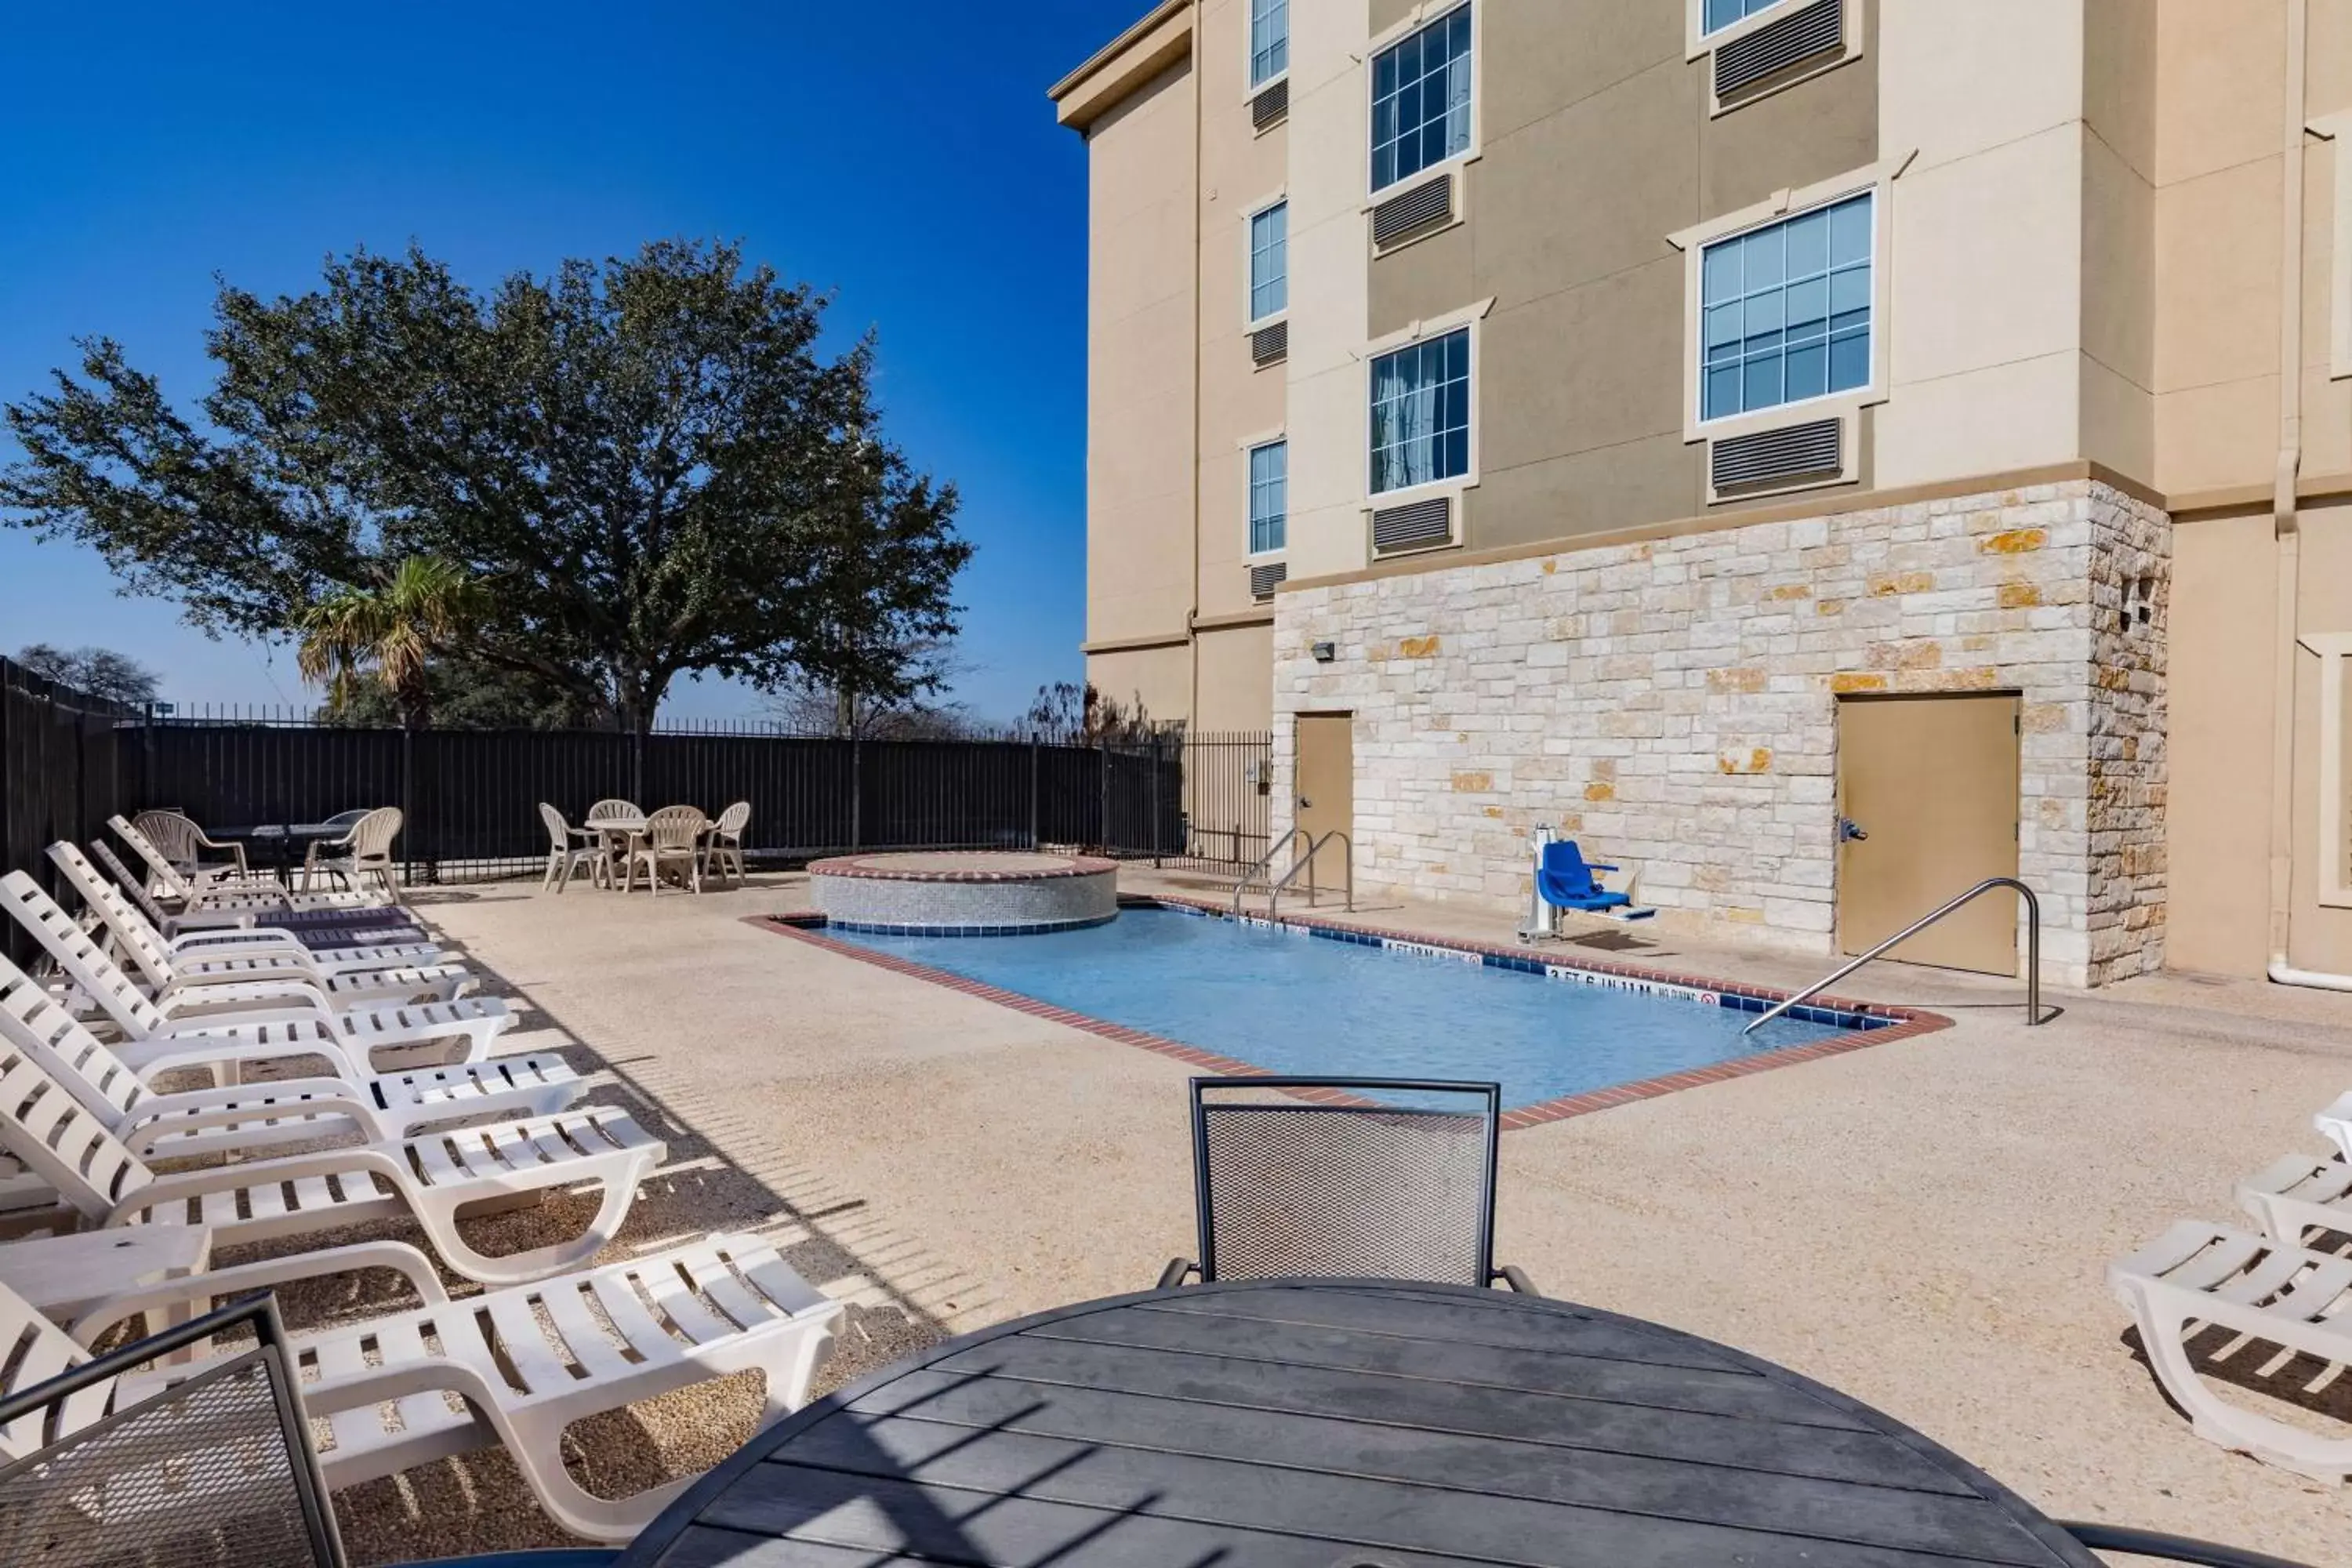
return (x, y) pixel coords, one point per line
(216, 1470)
(1387, 1178)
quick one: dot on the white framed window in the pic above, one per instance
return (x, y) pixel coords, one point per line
(1269, 262)
(1715, 16)
(1785, 306)
(1785, 310)
(1269, 40)
(1420, 432)
(1423, 99)
(1269, 497)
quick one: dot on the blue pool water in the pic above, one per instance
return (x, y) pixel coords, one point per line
(1294, 1004)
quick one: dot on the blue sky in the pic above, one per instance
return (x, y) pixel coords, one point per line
(900, 152)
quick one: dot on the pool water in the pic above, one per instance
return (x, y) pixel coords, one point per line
(1291, 1003)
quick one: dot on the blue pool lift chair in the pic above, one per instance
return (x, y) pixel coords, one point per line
(1566, 881)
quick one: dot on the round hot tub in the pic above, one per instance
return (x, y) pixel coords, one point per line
(951, 893)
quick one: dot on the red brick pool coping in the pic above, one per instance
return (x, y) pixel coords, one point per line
(1908, 1022)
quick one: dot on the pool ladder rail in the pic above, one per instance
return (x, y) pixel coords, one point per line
(1273, 885)
(2033, 953)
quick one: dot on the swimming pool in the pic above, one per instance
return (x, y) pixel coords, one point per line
(1290, 1000)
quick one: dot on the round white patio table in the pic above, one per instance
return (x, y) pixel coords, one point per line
(1339, 1423)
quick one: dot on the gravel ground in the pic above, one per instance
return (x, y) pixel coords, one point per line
(1923, 1225)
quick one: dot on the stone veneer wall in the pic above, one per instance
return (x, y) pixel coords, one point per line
(1674, 704)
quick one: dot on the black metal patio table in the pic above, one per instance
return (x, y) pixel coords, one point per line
(281, 839)
(1328, 1423)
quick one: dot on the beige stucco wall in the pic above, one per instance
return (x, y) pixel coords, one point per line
(1139, 278)
(1597, 144)
(1240, 171)
(1236, 679)
(1159, 677)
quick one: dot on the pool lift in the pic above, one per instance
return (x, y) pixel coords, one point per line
(1542, 923)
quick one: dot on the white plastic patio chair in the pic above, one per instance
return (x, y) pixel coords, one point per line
(269, 1115)
(515, 1366)
(221, 949)
(178, 836)
(366, 851)
(430, 1178)
(2198, 1274)
(725, 843)
(261, 894)
(564, 857)
(610, 809)
(292, 1018)
(673, 839)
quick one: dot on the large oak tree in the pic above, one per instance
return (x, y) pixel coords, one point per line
(651, 467)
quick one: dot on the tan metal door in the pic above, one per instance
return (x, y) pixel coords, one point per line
(1327, 775)
(1932, 781)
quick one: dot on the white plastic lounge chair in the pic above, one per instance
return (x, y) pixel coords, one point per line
(200, 950)
(259, 912)
(178, 836)
(212, 961)
(673, 837)
(2296, 1194)
(191, 1031)
(522, 1363)
(725, 846)
(2198, 1274)
(165, 882)
(564, 857)
(379, 1110)
(366, 850)
(430, 1179)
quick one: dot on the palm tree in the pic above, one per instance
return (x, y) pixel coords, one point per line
(422, 606)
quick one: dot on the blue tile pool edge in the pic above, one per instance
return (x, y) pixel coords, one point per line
(1863, 1023)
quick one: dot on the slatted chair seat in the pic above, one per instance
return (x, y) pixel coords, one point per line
(244, 1119)
(2198, 1274)
(430, 1178)
(519, 1364)
(283, 1013)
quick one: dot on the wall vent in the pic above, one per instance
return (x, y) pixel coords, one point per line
(1270, 105)
(1804, 35)
(1266, 579)
(1270, 345)
(1414, 213)
(1416, 525)
(1813, 450)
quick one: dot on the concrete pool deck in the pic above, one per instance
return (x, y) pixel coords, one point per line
(1924, 1224)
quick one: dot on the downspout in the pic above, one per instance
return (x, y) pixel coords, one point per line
(1192, 612)
(2285, 527)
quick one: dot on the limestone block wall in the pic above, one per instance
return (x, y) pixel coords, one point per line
(1674, 703)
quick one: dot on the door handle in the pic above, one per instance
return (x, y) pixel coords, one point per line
(1850, 831)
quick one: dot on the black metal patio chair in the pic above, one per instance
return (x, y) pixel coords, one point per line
(1385, 1178)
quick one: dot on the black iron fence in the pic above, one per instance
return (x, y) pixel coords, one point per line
(470, 797)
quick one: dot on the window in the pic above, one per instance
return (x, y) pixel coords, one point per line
(1721, 14)
(1269, 39)
(1269, 497)
(1420, 99)
(1420, 413)
(1269, 262)
(1785, 310)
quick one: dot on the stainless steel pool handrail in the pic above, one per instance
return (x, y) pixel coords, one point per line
(2033, 953)
(1264, 860)
(1313, 849)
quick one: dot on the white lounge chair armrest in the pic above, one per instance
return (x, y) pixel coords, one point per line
(166, 1190)
(397, 1256)
(339, 1101)
(201, 1050)
(198, 1024)
(213, 992)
